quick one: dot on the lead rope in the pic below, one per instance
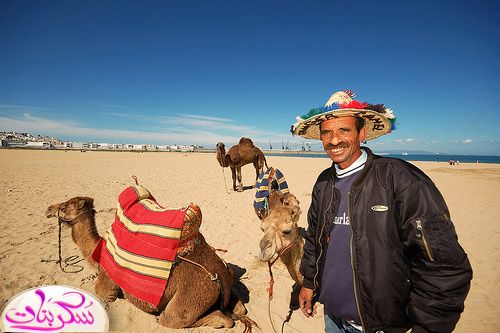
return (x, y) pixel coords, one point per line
(69, 261)
(224, 176)
(271, 284)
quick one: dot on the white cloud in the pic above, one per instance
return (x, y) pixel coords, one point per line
(404, 141)
(181, 130)
(111, 106)
(466, 141)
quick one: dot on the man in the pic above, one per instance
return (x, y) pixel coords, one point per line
(381, 252)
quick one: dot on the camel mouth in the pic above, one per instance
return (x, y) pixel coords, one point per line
(266, 256)
(267, 249)
(51, 211)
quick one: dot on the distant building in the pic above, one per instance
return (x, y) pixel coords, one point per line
(36, 144)
(139, 147)
(104, 146)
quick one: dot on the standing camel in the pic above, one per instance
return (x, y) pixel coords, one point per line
(190, 299)
(281, 233)
(239, 155)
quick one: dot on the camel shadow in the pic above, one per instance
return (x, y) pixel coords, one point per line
(248, 187)
(239, 288)
(294, 297)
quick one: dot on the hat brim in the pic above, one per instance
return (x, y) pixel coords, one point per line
(376, 124)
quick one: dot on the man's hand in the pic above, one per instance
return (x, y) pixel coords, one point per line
(305, 302)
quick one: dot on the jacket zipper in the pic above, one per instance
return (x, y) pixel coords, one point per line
(420, 235)
(352, 261)
(321, 247)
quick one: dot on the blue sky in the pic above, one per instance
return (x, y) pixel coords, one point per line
(200, 72)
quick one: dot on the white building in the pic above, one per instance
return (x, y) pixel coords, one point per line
(39, 145)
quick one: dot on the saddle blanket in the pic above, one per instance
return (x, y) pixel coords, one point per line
(268, 181)
(140, 248)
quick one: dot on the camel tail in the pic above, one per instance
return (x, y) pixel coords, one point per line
(265, 162)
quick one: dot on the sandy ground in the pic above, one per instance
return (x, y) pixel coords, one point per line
(33, 180)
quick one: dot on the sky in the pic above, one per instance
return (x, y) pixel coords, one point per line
(201, 72)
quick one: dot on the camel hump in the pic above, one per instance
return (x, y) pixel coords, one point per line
(246, 142)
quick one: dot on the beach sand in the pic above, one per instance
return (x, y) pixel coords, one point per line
(33, 180)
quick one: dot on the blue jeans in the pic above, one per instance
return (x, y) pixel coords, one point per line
(338, 325)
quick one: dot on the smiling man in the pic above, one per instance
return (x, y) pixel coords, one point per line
(381, 252)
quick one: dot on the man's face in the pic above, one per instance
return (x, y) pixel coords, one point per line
(341, 140)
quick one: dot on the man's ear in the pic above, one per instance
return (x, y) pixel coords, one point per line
(362, 134)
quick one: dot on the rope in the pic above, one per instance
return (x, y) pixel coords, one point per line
(69, 261)
(287, 319)
(271, 284)
(213, 277)
(270, 293)
(224, 176)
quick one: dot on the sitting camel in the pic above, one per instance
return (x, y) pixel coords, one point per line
(281, 233)
(239, 155)
(191, 297)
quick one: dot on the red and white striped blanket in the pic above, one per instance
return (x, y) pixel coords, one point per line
(139, 250)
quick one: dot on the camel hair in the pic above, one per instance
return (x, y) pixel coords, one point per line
(281, 233)
(239, 155)
(184, 303)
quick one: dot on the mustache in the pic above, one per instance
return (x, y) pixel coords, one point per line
(337, 146)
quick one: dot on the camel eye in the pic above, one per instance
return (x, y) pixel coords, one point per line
(287, 231)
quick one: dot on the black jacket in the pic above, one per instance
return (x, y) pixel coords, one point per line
(409, 269)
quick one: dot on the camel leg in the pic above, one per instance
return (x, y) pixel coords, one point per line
(184, 316)
(187, 308)
(240, 183)
(105, 288)
(233, 173)
(259, 168)
(215, 319)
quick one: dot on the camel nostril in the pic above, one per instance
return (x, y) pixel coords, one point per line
(264, 243)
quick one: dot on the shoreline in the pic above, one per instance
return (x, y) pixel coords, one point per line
(462, 159)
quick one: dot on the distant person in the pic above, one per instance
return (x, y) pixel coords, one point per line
(381, 252)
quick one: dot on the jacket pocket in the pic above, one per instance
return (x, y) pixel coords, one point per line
(420, 235)
(437, 239)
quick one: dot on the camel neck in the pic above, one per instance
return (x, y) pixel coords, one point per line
(222, 158)
(292, 259)
(84, 233)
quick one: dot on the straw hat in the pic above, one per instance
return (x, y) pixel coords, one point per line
(378, 119)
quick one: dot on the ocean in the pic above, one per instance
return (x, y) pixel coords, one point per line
(409, 157)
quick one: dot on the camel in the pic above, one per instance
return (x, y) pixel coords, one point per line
(239, 155)
(190, 299)
(281, 233)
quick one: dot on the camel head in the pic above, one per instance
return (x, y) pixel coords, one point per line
(280, 227)
(69, 210)
(220, 146)
(78, 213)
(222, 158)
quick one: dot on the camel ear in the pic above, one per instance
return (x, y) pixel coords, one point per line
(85, 202)
(296, 211)
(275, 199)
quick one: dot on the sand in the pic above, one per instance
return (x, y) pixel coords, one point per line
(33, 180)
